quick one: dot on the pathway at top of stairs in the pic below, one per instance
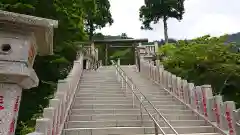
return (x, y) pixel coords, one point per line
(179, 116)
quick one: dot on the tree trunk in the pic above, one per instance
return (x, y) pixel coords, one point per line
(91, 30)
(165, 29)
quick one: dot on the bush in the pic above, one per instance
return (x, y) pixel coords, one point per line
(205, 60)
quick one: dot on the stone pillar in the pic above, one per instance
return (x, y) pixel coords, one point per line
(140, 44)
(119, 62)
(87, 64)
(20, 38)
(96, 55)
(156, 47)
(93, 49)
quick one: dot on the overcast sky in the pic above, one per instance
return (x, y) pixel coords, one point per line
(215, 17)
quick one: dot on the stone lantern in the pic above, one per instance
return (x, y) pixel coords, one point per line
(22, 37)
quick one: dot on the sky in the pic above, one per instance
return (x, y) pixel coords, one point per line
(214, 17)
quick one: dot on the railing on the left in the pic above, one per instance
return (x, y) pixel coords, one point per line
(54, 116)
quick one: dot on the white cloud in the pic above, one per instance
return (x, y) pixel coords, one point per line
(215, 17)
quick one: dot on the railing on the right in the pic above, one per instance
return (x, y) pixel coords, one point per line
(144, 103)
(223, 116)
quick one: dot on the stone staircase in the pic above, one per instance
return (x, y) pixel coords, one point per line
(102, 107)
(114, 100)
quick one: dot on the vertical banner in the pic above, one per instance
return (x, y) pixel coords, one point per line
(10, 95)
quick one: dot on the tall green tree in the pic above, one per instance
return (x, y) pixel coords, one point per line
(97, 15)
(154, 10)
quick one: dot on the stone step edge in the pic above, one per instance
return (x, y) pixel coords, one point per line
(130, 115)
(134, 121)
(125, 105)
(129, 110)
(179, 134)
(133, 127)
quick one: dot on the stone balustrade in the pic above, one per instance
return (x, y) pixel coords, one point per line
(54, 116)
(200, 98)
(149, 49)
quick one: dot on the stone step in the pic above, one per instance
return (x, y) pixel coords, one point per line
(100, 87)
(126, 101)
(102, 102)
(158, 95)
(125, 106)
(79, 96)
(95, 83)
(125, 111)
(106, 90)
(102, 106)
(92, 91)
(170, 106)
(99, 95)
(131, 123)
(101, 77)
(180, 134)
(136, 130)
(100, 98)
(128, 117)
(95, 88)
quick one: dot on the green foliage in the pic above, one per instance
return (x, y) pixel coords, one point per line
(25, 129)
(167, 50)
(97, 15)
(121, 54)
(206, 60)
(153, 10)
(72, 15)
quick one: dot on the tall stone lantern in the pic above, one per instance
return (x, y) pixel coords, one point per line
(22, 37)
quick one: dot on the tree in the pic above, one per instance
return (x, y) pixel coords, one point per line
(97, 15)
(153, 10)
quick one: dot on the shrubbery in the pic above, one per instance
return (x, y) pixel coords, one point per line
(205, 60)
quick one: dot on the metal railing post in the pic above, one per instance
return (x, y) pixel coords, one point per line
(141, 103)
(122, 78)
(133, 96)
(126, 87)
(156, 129)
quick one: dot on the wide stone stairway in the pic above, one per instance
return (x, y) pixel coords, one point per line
(102, 107)
(120, 100)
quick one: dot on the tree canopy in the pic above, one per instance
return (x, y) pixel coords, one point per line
(154, 10)
(97, 15)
